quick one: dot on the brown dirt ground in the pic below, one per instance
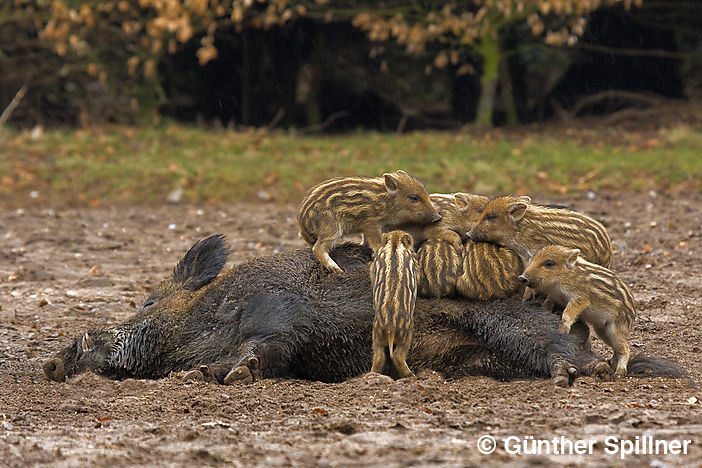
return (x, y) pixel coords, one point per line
(62, 272)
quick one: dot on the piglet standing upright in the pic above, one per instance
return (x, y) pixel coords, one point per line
(393, 275)
(589, 292)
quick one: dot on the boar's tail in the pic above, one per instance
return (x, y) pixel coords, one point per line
(643, 365)
(391, 345)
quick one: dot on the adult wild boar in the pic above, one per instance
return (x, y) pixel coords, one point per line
(286, 316)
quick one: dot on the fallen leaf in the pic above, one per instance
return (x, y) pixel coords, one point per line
(43, 302)
(271, 179)
(321, 411)
(106, 418)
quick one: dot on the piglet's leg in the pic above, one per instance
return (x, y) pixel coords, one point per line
(399, 358)
(580, 330)
(321, 250)
(373, 238)
(571, 314)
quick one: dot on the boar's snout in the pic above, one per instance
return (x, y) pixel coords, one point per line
(523, 279)
(55, 370)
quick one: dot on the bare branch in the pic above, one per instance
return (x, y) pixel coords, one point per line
(13, 105)
(646, 98)
(669, 54)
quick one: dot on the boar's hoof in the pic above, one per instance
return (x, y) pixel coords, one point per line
(563, 374)
(202, 374)
(600, 370)
(193, 375)
(212, 373)
(240, 374)
(247, 371)
(54, 370)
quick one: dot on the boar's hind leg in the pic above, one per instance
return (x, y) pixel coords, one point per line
(526, 337)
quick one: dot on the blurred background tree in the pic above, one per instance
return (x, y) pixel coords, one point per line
(338, 64)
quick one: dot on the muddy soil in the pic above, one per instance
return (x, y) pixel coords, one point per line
(65, 271)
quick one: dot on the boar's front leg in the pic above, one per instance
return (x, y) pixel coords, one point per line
(245, 367)
(246, 371)
(269, 330)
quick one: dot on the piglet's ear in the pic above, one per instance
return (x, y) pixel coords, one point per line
(461, 200)
(202, 263)
(408, 241)
(517, 210)
(390, 183)
(572, 256)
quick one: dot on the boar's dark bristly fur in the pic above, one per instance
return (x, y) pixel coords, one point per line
(287, 316)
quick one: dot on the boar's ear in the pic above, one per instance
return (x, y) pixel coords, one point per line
(86, 343)
(572, 256)
(390, 183)
(202, 263)
(518, 208)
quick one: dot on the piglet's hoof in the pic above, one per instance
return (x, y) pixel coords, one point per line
(240, 374)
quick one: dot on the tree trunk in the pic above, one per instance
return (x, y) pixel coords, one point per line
(489, 50)
(245, 79)
(313, 106)
(507, 94)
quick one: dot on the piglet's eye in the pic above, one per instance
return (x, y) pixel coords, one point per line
(148, 303)
(413, 198)
(490, 217)
(549, 264)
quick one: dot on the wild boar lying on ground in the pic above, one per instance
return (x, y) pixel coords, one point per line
(287, 316)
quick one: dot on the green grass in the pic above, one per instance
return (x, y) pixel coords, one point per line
(119, 164)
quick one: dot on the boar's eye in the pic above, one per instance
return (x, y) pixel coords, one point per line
(148, 303)
(549, 264)
(413, 198)
(490, 217)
